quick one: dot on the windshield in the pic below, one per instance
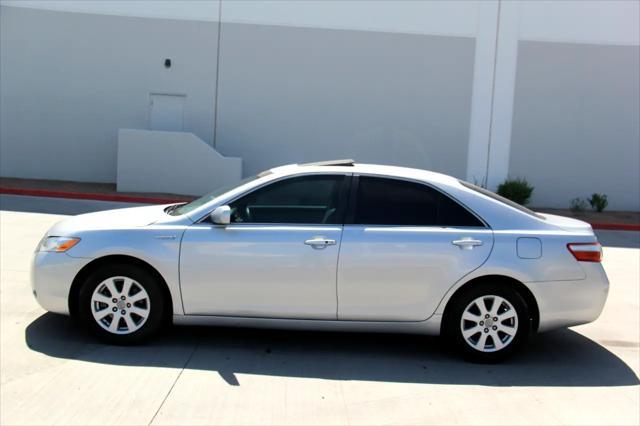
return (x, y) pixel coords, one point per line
(180, 209)
(501, 199)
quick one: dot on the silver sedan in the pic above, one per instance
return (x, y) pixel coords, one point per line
(328, 246)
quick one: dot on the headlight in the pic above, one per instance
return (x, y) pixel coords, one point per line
(57, 244)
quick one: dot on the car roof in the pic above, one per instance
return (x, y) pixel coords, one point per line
(497, 215)
(349, 166)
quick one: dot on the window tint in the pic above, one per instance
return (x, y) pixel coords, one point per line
(304, 199)
(382, 201)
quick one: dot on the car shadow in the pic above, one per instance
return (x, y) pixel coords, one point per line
(561, 358)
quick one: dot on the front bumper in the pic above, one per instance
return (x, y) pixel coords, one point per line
(567, 303)
(51, 277)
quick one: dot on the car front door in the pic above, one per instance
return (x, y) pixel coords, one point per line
(276, 259)
(403, 246)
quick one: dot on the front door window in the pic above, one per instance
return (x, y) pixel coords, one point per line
(315, 199)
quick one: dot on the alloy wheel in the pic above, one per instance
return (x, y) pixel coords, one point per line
(489, 323)
(120, 305)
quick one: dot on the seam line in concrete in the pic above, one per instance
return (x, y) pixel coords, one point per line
(195, 348)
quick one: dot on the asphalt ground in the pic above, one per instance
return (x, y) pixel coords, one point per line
(52, 372)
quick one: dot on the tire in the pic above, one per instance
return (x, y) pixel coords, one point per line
(482, 339)
(138, 307)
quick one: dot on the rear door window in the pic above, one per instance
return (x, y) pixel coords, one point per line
(385, 201)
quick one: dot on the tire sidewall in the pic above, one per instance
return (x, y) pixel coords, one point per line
(143, 278)
(453, 318)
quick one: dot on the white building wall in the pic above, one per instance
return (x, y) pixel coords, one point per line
(69, 81)
(576, 120)
(542, 147)
(190, 10)
(489, 102)
(607, 22)
(445, 18)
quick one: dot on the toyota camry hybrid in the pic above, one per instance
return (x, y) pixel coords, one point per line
(328, 246)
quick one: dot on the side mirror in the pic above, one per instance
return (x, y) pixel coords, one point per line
(221, 215)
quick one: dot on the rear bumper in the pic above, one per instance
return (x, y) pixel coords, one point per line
(51, 277)
(567, 303)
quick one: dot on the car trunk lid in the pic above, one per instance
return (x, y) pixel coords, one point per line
(567, 223)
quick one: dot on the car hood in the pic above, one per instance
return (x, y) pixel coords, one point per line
(132, 217)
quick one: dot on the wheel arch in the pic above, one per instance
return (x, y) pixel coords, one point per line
(82, 275)
(522, 289)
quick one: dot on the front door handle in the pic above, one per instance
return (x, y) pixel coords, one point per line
(466, 243)
(320, 242)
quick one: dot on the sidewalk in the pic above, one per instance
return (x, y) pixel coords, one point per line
(610, 220)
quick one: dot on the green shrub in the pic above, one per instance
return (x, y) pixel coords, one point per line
(517, 190)
(578, 205)
(598, 202)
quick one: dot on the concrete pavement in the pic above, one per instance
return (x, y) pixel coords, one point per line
(51, 372)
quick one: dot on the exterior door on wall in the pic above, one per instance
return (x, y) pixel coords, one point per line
(166, 112)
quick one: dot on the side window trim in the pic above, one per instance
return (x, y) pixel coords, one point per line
(352, 200)
(344, 196)
(350, 216)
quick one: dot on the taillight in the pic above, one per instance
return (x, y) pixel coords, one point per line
(586, 252)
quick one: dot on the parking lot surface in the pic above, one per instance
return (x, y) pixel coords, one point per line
(52, 372)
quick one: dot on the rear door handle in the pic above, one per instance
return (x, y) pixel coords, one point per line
(320, 242)
(466, 243)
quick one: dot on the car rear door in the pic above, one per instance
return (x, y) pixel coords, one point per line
(404, 245)
(277, 258)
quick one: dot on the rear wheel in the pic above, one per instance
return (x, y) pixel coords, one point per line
(488, 322)
(121, 304)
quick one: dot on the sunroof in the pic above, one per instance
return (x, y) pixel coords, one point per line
(345, 162)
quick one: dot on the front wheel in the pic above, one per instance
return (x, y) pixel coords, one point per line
(121, 304)
(488, 323)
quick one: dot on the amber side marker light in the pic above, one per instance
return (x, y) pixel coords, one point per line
(586, 252)
(58, 244)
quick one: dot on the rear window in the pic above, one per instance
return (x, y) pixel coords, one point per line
(501, 199)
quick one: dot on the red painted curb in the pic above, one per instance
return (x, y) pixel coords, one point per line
(615, 227)
(88, 196)
(162, 200)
